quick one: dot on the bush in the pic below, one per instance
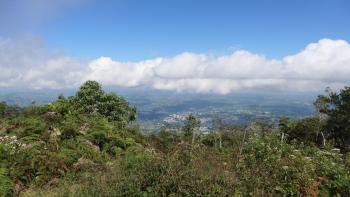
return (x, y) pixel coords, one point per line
(6, 183)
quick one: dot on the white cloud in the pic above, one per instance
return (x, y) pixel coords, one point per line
(27, 63)
(325, 63)
(327, 60)
(127, 74)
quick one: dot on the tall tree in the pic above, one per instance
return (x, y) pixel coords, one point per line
(218, 124)
(92, 99)
(88, 97)
(321, 105)
(190, 126)
(338, 110)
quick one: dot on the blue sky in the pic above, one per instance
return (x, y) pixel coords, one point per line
(216, 46)
(135, 30)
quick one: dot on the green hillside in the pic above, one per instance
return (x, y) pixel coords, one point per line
(90, 145)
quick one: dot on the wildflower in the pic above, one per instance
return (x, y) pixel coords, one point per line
(308, 158)
(285, 167)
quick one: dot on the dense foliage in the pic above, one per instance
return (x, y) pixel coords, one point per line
(338, 110)
(88, 145)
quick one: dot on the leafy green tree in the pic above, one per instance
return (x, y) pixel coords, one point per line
(8, 110)
(259, 125)
(91, 99)
(304, 130)
(212, 139)
(309, 130)
(62, 105)
(116, 108)
(283, 126)
(3, 108)
(190, 126)
(321, 105)
(337, 107)
(88, 97)
(218, 124)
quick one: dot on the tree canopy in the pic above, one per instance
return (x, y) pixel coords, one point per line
(337, 109)
(92, 99)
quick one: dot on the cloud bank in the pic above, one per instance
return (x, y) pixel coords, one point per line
(27, 63)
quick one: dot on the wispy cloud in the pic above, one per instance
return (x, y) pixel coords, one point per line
(22, 15)
(325, 63)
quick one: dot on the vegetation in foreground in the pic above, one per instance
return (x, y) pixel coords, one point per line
(89, 145)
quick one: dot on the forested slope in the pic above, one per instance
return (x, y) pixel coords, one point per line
(89, 145)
